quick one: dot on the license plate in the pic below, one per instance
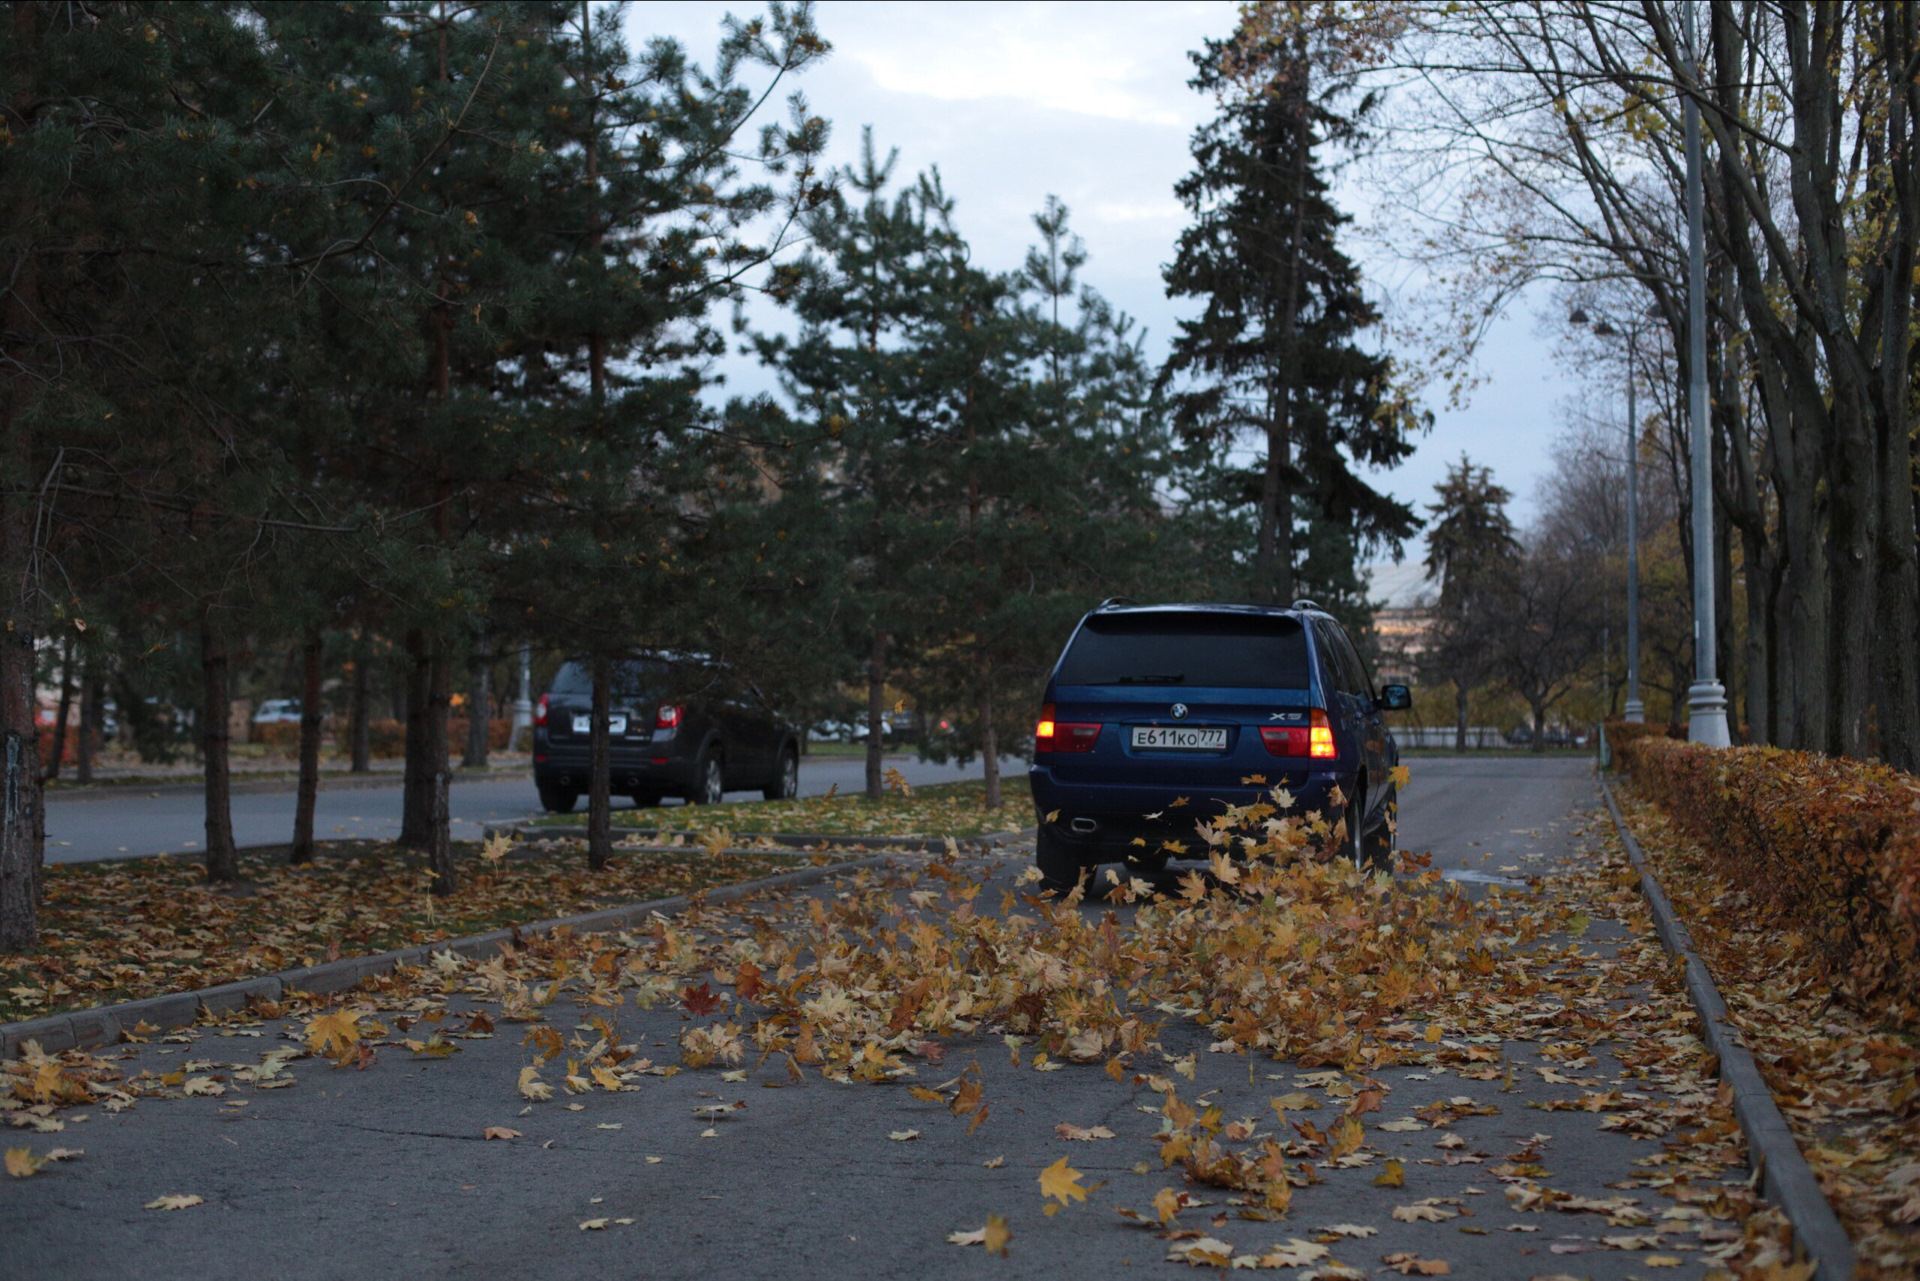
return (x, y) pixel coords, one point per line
(615, 724)
(1171, 738)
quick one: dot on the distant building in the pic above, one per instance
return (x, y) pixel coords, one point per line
(1404, 598)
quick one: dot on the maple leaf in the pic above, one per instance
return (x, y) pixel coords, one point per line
(21, 1162)
(532, 1087)
(1294, 1254)
(334, 1033)
(1062, 1182)
(1076, 1134)
(699, 1000)
(1167, 1203)
(1394, 1175)
(594, 1225)
(1423, 1213)
(1408, 1264)
(903, 1136)
(499, 1132)
(1400, 776)
(176, 1201)
(1344, 1137)
(994, 1236)
(1204, 1252)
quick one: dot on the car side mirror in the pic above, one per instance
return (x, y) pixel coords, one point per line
(1395, 698)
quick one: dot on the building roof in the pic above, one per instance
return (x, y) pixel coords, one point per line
(1400, 586)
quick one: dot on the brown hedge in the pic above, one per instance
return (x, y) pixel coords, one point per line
(1826, 846)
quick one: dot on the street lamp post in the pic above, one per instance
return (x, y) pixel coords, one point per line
(1707, 697)
(1635, 710)
(523, 705)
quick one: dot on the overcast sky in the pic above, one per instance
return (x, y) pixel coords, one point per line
(1016, 101)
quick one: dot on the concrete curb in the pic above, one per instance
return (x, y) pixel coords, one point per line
(243, 786)
(1785, 1175)
(797, 840)
(82, 1029)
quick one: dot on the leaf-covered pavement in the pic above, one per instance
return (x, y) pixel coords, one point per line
(935, 810)
(1451, 1073)
(141, 927)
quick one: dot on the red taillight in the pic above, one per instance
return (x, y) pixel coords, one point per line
(1063, 736)
(1283, 741)
(540, 711)
(668, 717)
(1320, 737)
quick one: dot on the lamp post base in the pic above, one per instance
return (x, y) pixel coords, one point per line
(1636, 712)
(1707, 706)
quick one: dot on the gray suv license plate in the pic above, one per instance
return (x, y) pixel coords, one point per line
(1167, 738)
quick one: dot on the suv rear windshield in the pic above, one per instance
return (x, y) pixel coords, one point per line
(642, 678)
(1237, 651)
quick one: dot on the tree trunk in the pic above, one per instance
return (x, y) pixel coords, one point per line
(90, 718)
(416, 788)
(308, 791)
(600, 767)
(21, 834)
(1539, 743)
(361, 730)
(989, 740)
(876, 712)
(216, 705)
(479, 710)
(439, 842)
(64, 714)
(1461, 694)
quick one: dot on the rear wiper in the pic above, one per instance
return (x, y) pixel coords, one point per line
(1171, 678)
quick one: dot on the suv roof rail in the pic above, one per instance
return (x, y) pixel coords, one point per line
(1116, 600)
(1304, 603)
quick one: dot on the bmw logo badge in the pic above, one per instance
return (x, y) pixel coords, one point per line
(1179, 711)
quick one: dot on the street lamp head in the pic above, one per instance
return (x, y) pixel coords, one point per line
(1604, 330)
(1578, 317)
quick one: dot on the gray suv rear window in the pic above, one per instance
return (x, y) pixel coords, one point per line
(1237, 651)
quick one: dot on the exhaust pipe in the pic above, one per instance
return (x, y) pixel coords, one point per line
(1084, 826)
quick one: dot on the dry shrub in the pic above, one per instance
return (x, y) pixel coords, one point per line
(1826, 846)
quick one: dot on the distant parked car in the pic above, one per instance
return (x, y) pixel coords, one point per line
(278, 711)
(850, 731)
(678, 725)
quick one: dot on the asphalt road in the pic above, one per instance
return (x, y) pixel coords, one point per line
(85, 829)
(383, 1172)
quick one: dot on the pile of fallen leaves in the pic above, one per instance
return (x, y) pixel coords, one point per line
(125, 930)
(936, 810)
(1848, 1082)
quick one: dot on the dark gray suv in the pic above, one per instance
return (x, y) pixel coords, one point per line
(678, 726)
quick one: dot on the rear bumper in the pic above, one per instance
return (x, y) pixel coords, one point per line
(631, 769)
(1101, 821)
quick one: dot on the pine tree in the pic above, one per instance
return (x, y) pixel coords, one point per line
(1274, 355)
(1472, 550)
(857, 295)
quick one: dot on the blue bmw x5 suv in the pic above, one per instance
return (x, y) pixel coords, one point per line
(1152, 703)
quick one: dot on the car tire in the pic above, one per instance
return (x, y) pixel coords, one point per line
(1060, 866)
(786, 778)
(558, 800)
(1378, 844)
(1352, 847)
(1148, 864)
(709, 780)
